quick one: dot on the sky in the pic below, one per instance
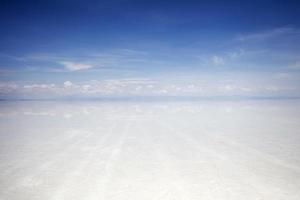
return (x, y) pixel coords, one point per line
(72, 48)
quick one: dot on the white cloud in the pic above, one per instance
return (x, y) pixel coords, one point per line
(247, 89)
(272, 88)
(71, 66)
(8, 87)
(86, 88)
(229, 87)
(39, 86)
(68, 84)
(200, 85)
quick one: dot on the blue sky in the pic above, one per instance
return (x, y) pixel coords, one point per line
(120, 48)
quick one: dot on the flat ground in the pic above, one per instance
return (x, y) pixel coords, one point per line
(198, 150)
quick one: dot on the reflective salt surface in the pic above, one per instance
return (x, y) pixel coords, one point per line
(198, 150)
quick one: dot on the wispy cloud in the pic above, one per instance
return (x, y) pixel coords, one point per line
(217, 60)
(72, 66)
(267, 34)
(84, 59)
(273, 49)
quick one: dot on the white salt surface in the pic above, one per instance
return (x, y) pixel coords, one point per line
(241, 150)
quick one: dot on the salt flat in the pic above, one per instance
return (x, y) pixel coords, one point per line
(141, 150)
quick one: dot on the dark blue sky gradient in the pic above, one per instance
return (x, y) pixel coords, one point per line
(34, 25)
(184, 41)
